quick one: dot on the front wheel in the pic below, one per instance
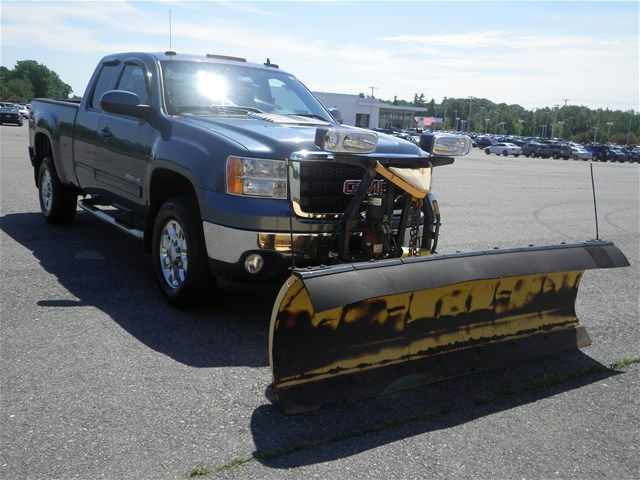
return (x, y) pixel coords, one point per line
(505, 153)
(487, 151)
(58, 202)
(179, 252)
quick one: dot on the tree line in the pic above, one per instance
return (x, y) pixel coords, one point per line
(30, 79)
(571, 122)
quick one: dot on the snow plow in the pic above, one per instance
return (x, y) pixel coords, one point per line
(369, 326)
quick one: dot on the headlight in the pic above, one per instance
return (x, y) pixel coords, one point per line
(257, 177)
(445, 144)
(342, 140)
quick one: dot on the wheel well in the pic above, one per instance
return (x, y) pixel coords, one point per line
(164, 184)
(42, 148)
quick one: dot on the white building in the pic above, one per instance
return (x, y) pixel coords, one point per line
(369, 113)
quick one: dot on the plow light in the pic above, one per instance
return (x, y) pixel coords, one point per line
(445, 144)
(342, 140)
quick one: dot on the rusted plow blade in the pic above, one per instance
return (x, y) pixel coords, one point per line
(354, 331)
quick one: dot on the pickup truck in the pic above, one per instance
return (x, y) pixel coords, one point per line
(215, 164)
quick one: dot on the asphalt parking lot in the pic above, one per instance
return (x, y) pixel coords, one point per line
(100, 378)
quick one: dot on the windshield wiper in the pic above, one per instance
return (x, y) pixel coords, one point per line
(217, 108)
(235, 107)
(309, 115)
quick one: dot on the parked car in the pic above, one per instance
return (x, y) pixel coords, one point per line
(535, 149)
(10, 115)
(617, 154)
(579, 153)
(560, 150)
(483, 142)
(504, 149)
(23, 111)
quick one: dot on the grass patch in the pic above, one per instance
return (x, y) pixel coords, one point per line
(620, 364)
(199, 471)
(235, 463)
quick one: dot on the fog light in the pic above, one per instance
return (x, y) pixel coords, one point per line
(253, 263)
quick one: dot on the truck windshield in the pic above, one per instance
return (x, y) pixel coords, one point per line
(224, 89)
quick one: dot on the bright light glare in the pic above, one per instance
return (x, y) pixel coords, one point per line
(212, 86)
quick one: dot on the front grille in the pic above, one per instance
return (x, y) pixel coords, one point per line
(321, 185)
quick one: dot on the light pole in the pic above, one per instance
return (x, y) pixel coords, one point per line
(560, 123)
(533, 128)
(597, 126)
(546, 122)
(543, 130)
(609, 131)
(629, 129)
(371, 115)
(486, 123)
(502, 124)
(456, 127)
(555, 121)
(462, 123)
(521, 123)
(455, 115)
(469, 120)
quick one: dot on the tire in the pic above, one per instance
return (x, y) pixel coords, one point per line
(516, 155)
(178, 230)
(575, 157)
(58, 202)
(487, 151)
(505, 153)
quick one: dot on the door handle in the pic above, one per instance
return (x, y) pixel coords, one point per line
(105, 133)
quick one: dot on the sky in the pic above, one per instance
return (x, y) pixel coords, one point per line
(531, 53)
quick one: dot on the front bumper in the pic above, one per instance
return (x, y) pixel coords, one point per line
(227, 249)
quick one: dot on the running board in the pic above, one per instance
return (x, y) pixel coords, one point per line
(110, 219)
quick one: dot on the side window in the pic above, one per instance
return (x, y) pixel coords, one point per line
(133, 81)
(104, 83)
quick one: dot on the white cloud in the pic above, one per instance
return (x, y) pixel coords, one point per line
(503, 65)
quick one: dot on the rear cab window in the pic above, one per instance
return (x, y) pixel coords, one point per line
(103, 83)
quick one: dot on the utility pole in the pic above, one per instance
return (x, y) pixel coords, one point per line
(371, 115)
(469, 121)
(565, 101)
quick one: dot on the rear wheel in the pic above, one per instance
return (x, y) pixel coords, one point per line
(487, 151)
(58, 202)
(179, 253)
(505, 153)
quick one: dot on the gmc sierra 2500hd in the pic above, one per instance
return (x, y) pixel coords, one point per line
(227, 167)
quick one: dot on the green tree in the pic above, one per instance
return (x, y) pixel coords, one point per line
(17, 90)
(42, 82)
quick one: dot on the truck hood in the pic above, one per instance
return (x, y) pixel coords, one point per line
(272, 139)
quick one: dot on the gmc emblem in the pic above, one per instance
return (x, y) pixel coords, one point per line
(350, 186)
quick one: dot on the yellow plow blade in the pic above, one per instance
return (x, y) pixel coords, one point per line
(353, 331)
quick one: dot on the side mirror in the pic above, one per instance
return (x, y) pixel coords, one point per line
(122, 102)
(337, 115)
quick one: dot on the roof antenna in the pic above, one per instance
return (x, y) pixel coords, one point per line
(170, 30)
(595, 208)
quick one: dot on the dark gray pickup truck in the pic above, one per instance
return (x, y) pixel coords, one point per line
(227, 167)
